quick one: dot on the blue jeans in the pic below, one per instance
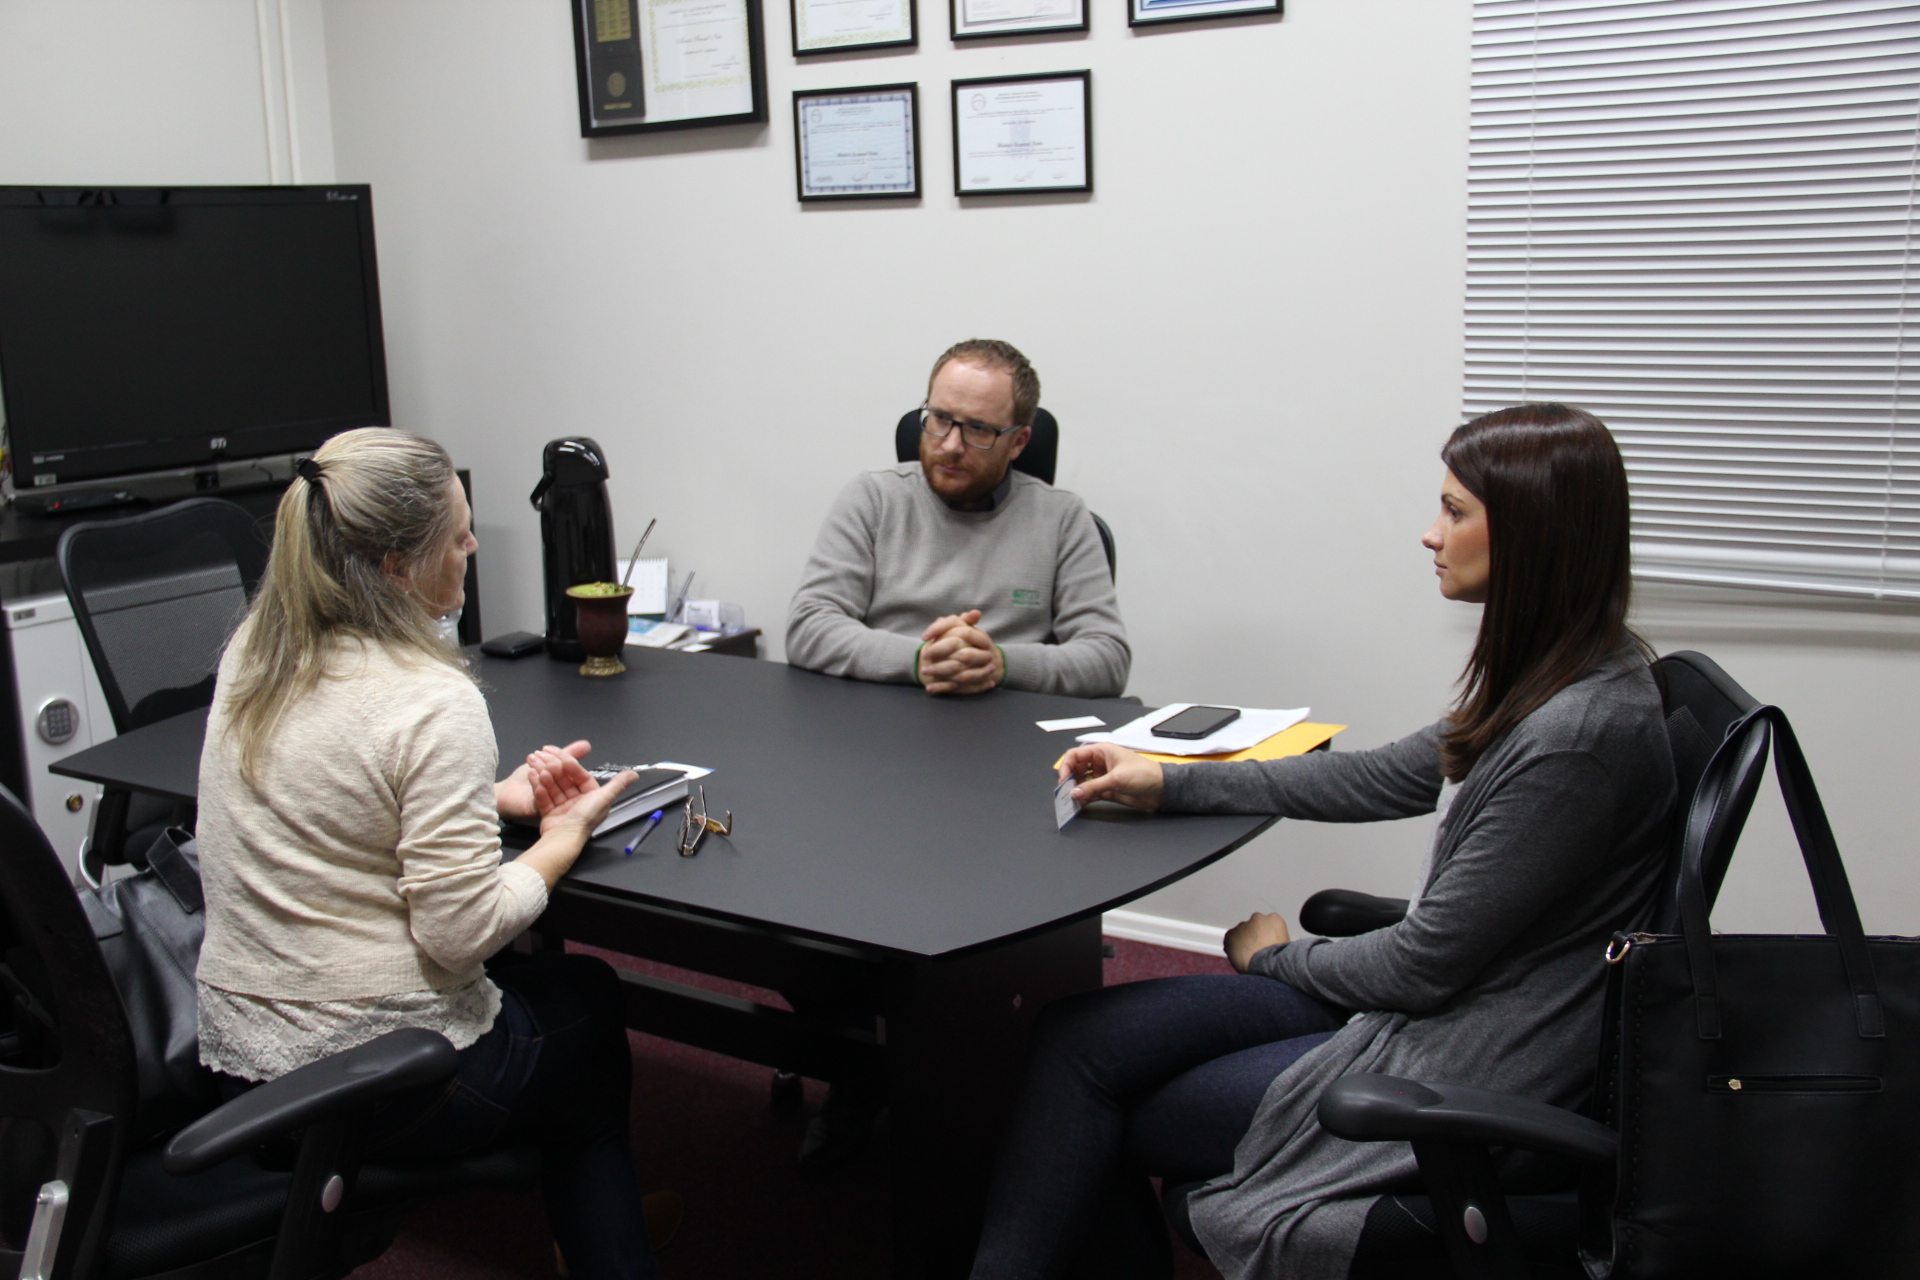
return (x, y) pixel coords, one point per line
(1158, 1078)
(555, 1068)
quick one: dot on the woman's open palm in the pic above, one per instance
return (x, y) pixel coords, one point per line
(565, 794)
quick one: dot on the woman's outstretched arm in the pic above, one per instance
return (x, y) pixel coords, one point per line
(1399, 780)
(462, 903)
(571, 804)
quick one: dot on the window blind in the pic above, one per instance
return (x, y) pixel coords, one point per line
(1695, 219)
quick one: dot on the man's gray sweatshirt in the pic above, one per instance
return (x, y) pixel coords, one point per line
(892, 557)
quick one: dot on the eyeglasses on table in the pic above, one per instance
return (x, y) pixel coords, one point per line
(694, 826)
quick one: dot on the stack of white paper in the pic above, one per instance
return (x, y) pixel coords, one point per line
(1253, 727)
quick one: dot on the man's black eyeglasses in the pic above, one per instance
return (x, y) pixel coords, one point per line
(977, 434)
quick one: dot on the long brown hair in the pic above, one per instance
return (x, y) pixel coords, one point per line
(367, 515)
(1560, 568)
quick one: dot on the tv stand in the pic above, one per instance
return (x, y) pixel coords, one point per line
(216, 477)
(26, 536)
(54, 504)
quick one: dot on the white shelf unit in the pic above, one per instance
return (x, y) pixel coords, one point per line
(61, 711)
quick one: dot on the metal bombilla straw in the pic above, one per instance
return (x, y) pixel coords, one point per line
(634, 559)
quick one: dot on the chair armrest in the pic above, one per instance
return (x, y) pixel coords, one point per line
(1377, 1108)
(1345, 913)
(350, 1079)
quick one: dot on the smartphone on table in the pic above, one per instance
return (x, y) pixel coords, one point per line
(1196, 722)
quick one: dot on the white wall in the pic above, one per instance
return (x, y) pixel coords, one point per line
(136, 92)
(1251, 333)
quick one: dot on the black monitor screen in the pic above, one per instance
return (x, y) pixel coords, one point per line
(149, 328)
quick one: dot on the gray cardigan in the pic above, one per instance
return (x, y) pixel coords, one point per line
(1556, 838)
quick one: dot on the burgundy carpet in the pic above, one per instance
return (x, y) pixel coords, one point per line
(703, 1126)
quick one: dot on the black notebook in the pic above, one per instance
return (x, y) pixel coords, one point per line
(654, 789)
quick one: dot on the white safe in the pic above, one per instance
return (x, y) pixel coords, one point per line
(61, 711)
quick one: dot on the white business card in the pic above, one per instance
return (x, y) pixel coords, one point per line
(1075, 722)
(1065, 807)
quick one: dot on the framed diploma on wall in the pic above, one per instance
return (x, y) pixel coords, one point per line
(689, 63)
(1017, 134)
(1147, 13)
(978, 19)
(857, 144)
(837, 26)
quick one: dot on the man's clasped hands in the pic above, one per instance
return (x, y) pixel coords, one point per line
(956, 656)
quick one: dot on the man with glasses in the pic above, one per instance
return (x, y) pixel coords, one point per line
(958, 573)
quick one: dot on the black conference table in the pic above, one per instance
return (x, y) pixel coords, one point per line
(891, 853)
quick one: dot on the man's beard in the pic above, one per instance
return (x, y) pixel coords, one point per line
(973, 493)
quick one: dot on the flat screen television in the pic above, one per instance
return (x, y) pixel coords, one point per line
(154, 328)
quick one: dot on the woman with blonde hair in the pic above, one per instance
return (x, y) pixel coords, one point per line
(350, 850)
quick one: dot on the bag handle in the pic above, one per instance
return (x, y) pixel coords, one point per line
(1831, 892)
(170, 866)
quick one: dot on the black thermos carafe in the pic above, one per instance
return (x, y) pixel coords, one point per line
(576, 533)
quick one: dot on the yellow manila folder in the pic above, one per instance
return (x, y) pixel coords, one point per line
(1296, 741)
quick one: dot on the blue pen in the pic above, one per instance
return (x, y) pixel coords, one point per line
(645, 831)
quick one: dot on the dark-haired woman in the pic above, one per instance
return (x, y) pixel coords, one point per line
(1554, 781)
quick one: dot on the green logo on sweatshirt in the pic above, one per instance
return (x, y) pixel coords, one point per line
(1027, 599)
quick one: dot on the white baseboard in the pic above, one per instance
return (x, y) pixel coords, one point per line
(1181, 935)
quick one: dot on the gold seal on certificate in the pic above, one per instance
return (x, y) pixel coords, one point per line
(975, 19)
(646, 65)
(1014, 134)
(857, 144)
(607, 63)
(836, 26)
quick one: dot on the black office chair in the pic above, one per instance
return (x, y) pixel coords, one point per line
(80, 1200)
(1702, 702)
(1405, 1238)
(1037, 460)
(156, 595)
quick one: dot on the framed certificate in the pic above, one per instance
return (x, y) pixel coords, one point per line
(692, 63)
(836, 26)
(606, 55)
(1016, 134)
(1146, 13)
(978, 19)
(857, 144)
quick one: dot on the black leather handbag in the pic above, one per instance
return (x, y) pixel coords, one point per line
(1766, 1087)
(149, 927)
